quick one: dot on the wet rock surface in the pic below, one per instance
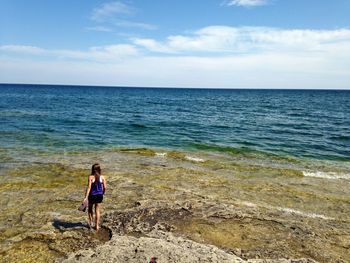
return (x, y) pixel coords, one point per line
(218, 209)
(53, 241)
(162, 230)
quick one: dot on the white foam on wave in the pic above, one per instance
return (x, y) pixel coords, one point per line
(194, 159)
(248, 204)
(288, 210)
(161, 154)
(297, 212)
(329, 175)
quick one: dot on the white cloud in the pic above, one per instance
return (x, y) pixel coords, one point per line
(247, 3)
(268, 71)
(153, 45)
(216, 56)
(126, 23)
(223, 39)
(108, 10)
(22, 49)
(114, 14)
(99, 29)
(100, 53)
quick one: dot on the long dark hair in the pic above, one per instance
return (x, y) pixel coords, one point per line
(96, 170)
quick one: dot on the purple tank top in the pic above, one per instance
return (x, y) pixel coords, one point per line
(96, 187)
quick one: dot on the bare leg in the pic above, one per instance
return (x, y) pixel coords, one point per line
(97, 214)
(90, 213)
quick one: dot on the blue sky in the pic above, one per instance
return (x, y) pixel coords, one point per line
(193, 43)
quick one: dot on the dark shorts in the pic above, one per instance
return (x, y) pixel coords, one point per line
(95, 199)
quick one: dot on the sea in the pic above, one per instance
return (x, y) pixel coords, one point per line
(277, 150)
(308, 125)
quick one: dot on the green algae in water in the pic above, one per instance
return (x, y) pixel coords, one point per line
(46, 176)
(140, 151)
(256, 237)
(37, 194)
(244, 234)
(29, 251)
(176, 155)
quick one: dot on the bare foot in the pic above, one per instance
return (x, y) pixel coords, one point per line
(90, 226)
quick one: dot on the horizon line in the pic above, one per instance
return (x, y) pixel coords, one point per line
(170, 87)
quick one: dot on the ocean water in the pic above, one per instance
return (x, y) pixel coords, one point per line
(294, 122)
(302, 124)
(282, 152)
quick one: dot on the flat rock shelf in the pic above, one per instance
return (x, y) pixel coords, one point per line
(186, 232)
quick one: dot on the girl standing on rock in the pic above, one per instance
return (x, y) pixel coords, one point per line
(94, 193)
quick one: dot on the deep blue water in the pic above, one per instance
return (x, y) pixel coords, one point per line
(300, 123)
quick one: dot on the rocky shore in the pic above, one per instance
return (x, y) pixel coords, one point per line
(161, 230)
(207, 208)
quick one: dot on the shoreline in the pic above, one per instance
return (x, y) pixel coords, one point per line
(262, 209)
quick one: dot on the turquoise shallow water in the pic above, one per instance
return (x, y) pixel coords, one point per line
(311, 125)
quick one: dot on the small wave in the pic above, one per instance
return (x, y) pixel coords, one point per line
(194, 159)
(289, 211)
(140, 151)
(296, 114)
(329, 175)
(249, 204)
(161, 154)
(221, 126)
(224, 149)
(138, 125)
(340, 138)
(297, 212)
(48, 130)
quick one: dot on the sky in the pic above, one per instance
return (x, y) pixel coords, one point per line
(164, 43)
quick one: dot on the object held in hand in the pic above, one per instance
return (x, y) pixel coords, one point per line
(84, 205)
(153, 260)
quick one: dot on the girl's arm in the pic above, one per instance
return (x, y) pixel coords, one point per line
(104, 183)
(88, 188)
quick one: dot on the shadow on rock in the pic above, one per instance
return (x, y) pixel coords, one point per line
(63, 225)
